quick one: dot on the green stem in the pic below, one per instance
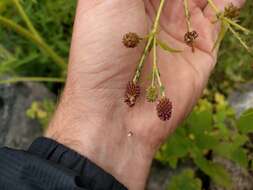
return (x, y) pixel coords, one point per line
(238, 26)
(155, 68)
(41, 44)
(214, 7)
(26, 18)
(239, 38)
(158, 16)
(142, 61)
(149, 43)
(32, 79)
(154, 62)
(187, 15)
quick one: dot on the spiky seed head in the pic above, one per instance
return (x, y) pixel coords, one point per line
(231, 11)
(190, 37)
(152, 94)
(164, 109)
(131, 40)
(132, 93)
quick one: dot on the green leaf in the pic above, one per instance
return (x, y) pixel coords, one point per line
(245, 122)
(200, 121)
(185, 181)
(177, 146)
(216, 171)
(206, 141)
(42, 111)
(240, 156)
(3, 5)
(165, 47)
(232, 152)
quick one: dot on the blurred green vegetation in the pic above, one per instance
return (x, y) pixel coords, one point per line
(211, 130)
(53, 20)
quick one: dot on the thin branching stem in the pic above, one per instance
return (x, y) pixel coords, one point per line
(28, 35)
(154, 62)
(187, 15)
(26, 18)
(142, 61)
(149, 42)
(158, 16)
(32, 79)
(230, 24)
(238, 26)
(239, 38)
(213, 6)
(156, 69)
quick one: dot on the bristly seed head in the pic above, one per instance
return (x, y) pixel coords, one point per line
(190, 37)
(131, 40)
(164, 109)
(152, 94)
(132, 93)
(231, 11)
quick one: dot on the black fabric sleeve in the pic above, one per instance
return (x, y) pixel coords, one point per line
(48, 165)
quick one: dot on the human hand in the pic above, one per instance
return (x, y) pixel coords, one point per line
(92, 117)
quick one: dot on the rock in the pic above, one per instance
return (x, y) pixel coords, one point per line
(242, 99)
(240, 177)
(16, 129)
(161, 175)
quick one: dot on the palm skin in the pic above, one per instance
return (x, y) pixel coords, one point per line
(100, 67)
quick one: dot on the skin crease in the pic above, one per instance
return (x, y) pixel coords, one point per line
(92, 118)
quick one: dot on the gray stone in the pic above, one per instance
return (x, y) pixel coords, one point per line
(241, 179)
(242, 99)
(16, 129)
(159, 178)
(160, 175)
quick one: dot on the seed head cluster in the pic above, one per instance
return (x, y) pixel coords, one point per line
(131, 40)
(132, 93)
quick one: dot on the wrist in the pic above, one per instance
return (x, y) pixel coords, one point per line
(102, 138)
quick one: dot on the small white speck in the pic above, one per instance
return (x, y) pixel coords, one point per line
(130, 134)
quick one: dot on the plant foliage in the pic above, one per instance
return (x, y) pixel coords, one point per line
(211, 130)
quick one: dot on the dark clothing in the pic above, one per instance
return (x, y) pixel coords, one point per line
(48, 165)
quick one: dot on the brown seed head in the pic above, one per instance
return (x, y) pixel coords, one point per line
(232, 11)
(190, 37)
(164, 109)
(131, 40)
(132, 93)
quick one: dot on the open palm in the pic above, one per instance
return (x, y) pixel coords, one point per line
(92, 107)
(100, 66)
